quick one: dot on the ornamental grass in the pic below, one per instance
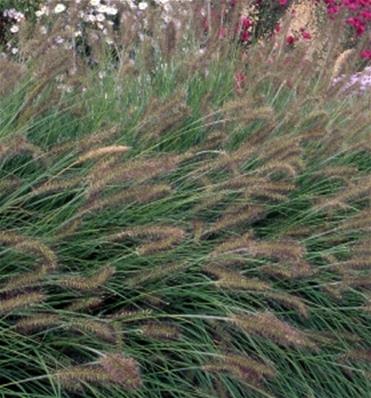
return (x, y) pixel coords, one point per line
(166, 233)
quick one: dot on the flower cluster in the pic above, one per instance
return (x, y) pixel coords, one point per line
(221, 17)
(90, 14)
(98, 16)
(357, 84)
(102, 17)
(292, 39)
(13, 18)
(13, 14)
(357, 14)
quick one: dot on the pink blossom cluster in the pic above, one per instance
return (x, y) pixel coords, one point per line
(100, 15)
(219, 18)
(357, 14)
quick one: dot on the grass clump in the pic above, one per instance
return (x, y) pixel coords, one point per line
(164, 235)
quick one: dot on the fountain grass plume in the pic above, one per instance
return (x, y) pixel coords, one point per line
(164, 233)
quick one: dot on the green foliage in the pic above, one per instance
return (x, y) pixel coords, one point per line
(28, 7)
(163, 235)
(269, 14)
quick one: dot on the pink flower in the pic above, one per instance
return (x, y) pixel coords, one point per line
(290, 40)
(366, 54)
(277, 28)
(245, 36)
(282, 2)
(357, 24)
(245, 23)
(351, 4)
(306, 35)
(366, 15)
(333, 10)
(239, 80)
(244, 26)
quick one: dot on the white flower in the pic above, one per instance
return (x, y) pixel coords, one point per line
(167, 7)
(111, 11)
(14, 50)
(107, 9)
(102, 8)
(59, 40)
(59, 8)
(90, 18)
(100, 17)
(94, 3)
(43, 11)
(12, 13)
(142, 5)
(14, 29)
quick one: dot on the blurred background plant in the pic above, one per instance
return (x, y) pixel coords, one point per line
(247, 20)
(88, 31)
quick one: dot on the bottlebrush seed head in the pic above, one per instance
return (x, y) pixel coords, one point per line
(93, 282)
(21, 301)
(267, 325)
(160, 331)
(37, 322)
(122, 370)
